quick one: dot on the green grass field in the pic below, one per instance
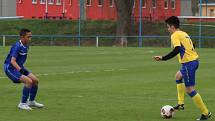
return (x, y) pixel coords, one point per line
(104, 84)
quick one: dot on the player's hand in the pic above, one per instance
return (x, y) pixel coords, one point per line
(23, 71)
(158, 58)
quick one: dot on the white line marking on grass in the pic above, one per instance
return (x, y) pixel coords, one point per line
(123, 69)
(79, 96)
(109, 70)
(87, 71)
(151, 51)
(72, 72)
(3, 77)
(148, 98)
(46, 74)
(42, 74)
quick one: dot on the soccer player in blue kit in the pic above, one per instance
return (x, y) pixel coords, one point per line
(15, 70)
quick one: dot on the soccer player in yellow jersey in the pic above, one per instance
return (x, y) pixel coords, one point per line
(188, 57)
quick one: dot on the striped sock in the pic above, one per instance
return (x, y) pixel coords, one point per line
(199, 102)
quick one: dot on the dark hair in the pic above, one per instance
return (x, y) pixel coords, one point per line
(23, 32)
(173, 21)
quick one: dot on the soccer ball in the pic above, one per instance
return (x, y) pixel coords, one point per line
(167, 111)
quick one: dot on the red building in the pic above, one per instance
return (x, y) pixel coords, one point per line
(95, 9)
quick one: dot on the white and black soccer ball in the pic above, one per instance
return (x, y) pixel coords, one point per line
(167, 111)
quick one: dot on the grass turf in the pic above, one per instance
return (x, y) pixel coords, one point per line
(104, 84)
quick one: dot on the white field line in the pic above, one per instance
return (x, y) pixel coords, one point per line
(72, 72)
(123, 69)
(3, 77)
(109, 70)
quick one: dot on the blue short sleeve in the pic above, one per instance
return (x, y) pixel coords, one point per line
(15, 51)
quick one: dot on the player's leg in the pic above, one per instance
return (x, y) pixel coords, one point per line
(16, 77)
(33, 92)
(26, 89)
(25, 92)
(180, 90)
(197, 99)
(189, 79)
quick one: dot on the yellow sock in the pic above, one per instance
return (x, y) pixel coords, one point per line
(181, 92)
(200, 104)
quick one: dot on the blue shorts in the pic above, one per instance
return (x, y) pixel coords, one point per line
(13, 74)
(188, 71)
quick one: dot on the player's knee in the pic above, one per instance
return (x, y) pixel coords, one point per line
(36, 82)
(34, 79)
(178, 76)
(190, 89)
(29, 83)
(26, 80)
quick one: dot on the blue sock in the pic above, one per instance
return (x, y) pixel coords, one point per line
(192, 94)
(179, 81)
(25, 94)
(33, 92)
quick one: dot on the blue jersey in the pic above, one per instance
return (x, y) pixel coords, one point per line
(19, 51)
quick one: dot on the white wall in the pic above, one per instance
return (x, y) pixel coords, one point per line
(7, 7)
(186, 8)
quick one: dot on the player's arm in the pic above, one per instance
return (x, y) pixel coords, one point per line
(194, 46)
(15, 65)
(170, 55)
(14, 55)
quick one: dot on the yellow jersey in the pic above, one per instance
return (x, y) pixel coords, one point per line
(187, 52)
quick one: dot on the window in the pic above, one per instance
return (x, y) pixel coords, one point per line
(173, 4)
(111, 3)
(70, 2)
(154, 3)
(42, 1)
(165, 4)
(211, 12)
(34, 1)
(143, 3)
(19, 1)
(51, 1)
(134, 4)
(58, 2)
(89, 2)
(100, 2)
